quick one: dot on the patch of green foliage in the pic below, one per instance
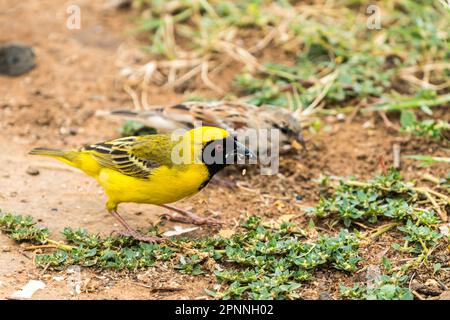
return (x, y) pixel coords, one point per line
(320, 55)
(134, 128)
(257, 263)
(384, 196)
(423, 236)
(261, 262)
(386, 288)
(22, 228)
(271, 264)
(387, 196)
(427, 128)
(422, 99)
(111, 252)
(428, 160)
(356, 77)
(199, 24)
(367, 62)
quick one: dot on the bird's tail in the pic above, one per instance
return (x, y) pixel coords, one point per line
(129, 114)
(82, 160)
(65, 156)
(124, 113)
(138, 115)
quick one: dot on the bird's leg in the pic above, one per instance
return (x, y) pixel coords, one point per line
(130, 232)
(187, 217)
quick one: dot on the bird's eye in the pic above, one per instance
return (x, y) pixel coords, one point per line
(282, 127)
(284, 130)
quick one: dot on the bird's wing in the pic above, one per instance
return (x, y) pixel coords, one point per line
(222, 114)
(227, 115)
(133, 156)
(155, 118)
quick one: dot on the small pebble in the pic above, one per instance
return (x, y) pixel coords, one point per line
(325, 296)
(58, 278)
(368, 124)
(340, 117)
(32, 171)
(361, 157)
(68, 131)
(444, 230)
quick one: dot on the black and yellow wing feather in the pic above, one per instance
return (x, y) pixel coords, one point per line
(133, 156)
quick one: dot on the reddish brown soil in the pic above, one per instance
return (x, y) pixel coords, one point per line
(54, 105)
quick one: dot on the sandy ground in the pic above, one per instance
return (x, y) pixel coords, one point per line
(54, 105)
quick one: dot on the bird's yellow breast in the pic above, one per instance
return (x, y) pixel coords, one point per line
(165, 185)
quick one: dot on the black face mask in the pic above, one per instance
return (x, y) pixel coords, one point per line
(217, 154)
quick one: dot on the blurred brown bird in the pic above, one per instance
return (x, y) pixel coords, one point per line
(236, 117)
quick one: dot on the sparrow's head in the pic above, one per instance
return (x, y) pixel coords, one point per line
(289, 126)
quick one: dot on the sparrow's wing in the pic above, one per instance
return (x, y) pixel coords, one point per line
(157, 118)
(226, 115)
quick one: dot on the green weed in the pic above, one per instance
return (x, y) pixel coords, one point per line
(257, 263)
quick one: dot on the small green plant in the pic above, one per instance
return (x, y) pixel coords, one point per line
(422, 236)
(427, 128)
(23, 228)
(190, 265)
(270, 264)
(388, 287)
(90, 250)
(133, 128)
(423, 99)
(428, 160)
(388, 196)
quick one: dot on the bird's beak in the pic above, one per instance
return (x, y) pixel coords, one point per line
(241, 152)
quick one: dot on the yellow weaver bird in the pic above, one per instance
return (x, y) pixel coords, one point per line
(155, 169)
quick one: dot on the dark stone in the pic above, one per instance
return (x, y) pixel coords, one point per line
(16, 59)
(32, 171)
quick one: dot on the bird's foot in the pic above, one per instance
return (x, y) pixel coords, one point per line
(137, 236)
(190, 218)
